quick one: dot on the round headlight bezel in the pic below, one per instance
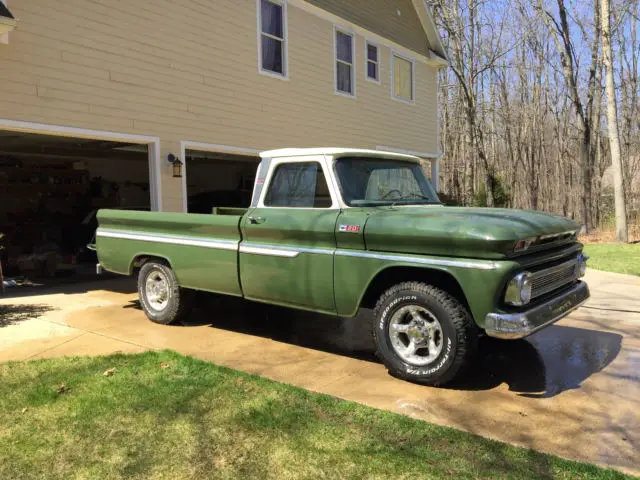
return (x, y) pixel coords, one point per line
(519, 290)
(582, 265)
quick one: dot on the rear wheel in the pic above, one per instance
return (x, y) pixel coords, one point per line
(423, 334)
(162, 299)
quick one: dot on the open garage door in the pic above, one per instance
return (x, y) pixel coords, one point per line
(215, 179)
(50, 190)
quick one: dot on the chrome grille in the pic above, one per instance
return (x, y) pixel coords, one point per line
(550, 279)
(550, 241)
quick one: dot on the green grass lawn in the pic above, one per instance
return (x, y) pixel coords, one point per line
(614, 257)
(162, 415)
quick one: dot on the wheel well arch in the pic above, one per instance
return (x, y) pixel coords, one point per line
(142, 258)
(391, 276)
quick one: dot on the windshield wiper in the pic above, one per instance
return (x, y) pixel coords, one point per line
(417, 195)
(394, 202)
(413, 195)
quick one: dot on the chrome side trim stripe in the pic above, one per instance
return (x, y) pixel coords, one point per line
(267, 251)
(284, 252)
(278, 251)
(170, 239)
(418, 260)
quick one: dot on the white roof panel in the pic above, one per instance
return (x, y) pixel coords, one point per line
(333, 151)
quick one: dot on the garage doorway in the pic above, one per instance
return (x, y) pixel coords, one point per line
(52, 184)
(217, 176)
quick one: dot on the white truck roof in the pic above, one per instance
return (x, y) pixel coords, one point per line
(333, 151)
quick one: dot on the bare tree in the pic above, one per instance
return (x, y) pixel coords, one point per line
(561, 34)
(475, 48)
(622, 234)
(522, 106)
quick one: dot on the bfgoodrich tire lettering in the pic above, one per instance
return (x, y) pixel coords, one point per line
(175, 304)
(456, 336)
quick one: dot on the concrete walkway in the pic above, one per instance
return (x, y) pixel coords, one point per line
(572, 389)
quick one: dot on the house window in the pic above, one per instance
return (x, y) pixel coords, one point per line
(272, 20)
(403, 78)
(373, 63)
(345, 74)
(298, 185)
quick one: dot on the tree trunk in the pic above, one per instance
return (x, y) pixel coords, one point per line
(612, 122)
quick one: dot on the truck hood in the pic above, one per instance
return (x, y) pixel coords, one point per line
(458, 231)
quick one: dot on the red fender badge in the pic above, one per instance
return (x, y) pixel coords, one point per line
(349, 228)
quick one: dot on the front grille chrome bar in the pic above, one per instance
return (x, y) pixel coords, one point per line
(550, 279)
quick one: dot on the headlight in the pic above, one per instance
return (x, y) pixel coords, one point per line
(582, 265)
(519, 290)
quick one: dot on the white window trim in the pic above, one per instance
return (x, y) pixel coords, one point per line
(285, 32)
(326, 169)
(366, 62)
(345, 31)
(413, 77)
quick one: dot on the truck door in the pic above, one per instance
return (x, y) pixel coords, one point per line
(286, 255)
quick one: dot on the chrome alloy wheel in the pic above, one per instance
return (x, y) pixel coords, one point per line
(416, 335)
(157, 290)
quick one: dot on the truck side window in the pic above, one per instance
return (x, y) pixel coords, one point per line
(298, 185)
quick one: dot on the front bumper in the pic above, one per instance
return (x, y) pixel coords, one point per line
(521, 324)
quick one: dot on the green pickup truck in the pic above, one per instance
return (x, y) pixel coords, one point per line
(337, 230)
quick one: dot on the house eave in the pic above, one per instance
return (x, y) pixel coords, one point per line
(437, 60)
(435, 41)
(7, 25)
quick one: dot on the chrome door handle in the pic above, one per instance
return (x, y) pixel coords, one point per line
(256, 220)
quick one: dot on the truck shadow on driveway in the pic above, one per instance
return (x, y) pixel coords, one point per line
(544, 365)
(554, 360)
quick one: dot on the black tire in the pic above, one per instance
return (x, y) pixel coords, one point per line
(458, 333)
(178, 301)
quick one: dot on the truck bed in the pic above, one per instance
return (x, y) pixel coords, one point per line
(126, 236)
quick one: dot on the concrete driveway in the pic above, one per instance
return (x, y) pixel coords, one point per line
(572, 389)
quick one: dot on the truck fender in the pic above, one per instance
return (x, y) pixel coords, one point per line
(141, 258)
(386, 277)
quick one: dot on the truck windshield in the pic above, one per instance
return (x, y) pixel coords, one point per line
(383, 181)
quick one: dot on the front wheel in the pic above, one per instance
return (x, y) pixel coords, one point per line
(162, 299)
(423, 334)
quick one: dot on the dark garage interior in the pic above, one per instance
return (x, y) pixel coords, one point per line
(219, 180)
(50, 190)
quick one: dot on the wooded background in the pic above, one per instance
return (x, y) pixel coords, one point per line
(523, 119)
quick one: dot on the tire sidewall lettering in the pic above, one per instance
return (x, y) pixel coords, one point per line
(390, 307)
(428, 370)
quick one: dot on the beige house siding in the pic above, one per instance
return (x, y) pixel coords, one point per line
(396, 20)
(188, 70)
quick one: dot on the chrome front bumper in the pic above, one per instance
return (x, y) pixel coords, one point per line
(519, 325)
